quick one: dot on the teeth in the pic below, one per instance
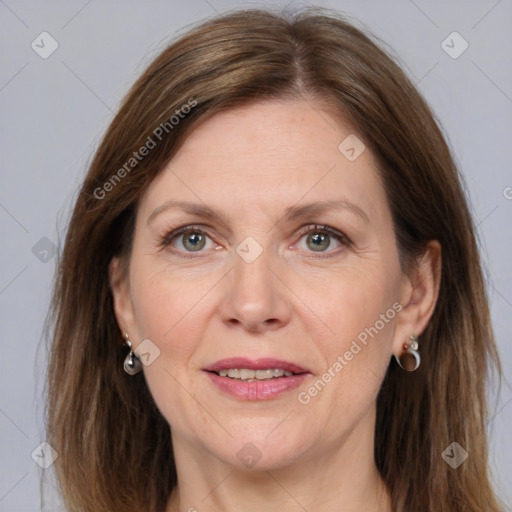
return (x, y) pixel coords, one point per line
(246, 374)
(252, 375)
(265, 374)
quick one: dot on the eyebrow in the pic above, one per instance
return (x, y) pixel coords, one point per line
(291, 213)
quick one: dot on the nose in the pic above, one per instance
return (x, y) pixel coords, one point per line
(255, 299)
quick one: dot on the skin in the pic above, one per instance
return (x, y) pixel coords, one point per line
(292, 303)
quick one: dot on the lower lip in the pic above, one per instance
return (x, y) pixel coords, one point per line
(257, 390)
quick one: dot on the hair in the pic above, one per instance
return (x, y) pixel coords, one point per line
(115, 448)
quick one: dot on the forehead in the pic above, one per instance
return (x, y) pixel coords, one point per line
(270, 155)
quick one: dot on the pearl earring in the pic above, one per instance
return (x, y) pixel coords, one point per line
(132, 364)
(410, 355)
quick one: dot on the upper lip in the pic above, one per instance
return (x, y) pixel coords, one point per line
(254, 364)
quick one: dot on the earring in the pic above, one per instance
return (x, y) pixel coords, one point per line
(132, 364)
(410, 359)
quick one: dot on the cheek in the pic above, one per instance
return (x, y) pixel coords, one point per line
(164, 300)
(358, 311)
(355, 358)
(352, 300)
(165, 313)
(171, 312)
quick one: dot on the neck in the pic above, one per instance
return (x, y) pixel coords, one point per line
(269, 492)
(343, 476)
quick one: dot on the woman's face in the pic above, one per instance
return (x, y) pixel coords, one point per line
(265, 239)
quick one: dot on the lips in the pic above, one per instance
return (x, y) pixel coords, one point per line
(254, 364)
(254, 389)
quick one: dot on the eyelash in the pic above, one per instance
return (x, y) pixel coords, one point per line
(169, 236)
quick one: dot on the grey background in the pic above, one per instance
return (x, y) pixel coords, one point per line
(55, 110)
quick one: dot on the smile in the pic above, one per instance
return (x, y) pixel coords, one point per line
(261, 379)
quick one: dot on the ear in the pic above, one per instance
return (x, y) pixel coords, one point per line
(120, 287)
(420, 290)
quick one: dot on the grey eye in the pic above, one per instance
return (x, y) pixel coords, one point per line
(318, 241)
(193, 241)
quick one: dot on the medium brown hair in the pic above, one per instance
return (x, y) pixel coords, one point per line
(115, 449)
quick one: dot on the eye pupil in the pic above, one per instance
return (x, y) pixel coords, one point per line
(193, 241)
(320, 241)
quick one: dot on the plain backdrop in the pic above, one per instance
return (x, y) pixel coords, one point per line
(54, 111)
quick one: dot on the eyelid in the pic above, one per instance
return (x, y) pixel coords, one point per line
(170, 234)
(327, 229)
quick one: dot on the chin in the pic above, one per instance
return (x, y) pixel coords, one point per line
(262, 449)
(255, 458)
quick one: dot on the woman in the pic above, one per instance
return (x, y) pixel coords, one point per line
(270, 295)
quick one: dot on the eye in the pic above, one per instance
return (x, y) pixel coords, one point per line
(322, 239)
(194, 239)
(188, 239)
